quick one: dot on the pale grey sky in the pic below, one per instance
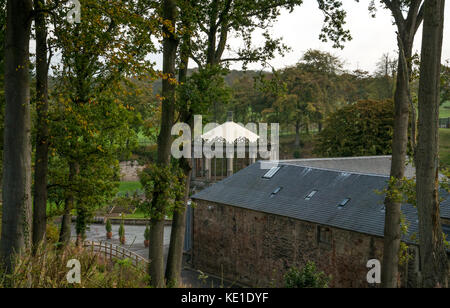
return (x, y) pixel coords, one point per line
(372, 37)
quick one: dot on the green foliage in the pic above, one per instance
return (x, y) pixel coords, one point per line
(362, 129)
(308, 277)
(147, 233)
(122, 228)
(82, 221)
(52, 233)
(444, 111)
(444, 146)
(311, 90)
(242, 18)
(445, 83)
(249, 96)
(445, 181)
(108, 226)
(401, 191)
(404, 190)
(164, 190)
(202, 89)
(92, 124)
(129, 188)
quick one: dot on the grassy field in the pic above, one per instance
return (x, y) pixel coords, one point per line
(444, 151)
(445, 110)
(129, 187)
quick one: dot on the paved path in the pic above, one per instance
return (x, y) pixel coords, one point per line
(134, 236)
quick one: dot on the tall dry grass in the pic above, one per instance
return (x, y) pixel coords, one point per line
(47, 268)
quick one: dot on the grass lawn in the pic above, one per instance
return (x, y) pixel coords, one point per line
(129, 187)
(136, 215)
(445, 110)
(444, 151)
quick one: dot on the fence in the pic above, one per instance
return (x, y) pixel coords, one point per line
(444, 123)
(111, 251)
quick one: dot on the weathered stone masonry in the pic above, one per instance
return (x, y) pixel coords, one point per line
(256, 249)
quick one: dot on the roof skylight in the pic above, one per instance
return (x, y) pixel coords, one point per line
(276, 191)
(311, 195)
(344, 203)
(271, 173)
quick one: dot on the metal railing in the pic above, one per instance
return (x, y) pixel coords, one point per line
(111, 251)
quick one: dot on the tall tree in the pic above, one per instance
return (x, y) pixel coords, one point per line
(2, 76)
(175, 255)
(406, 31)
(42, 142)
(89, 83)
(170, 45)
(16, 219)
(386, 71)
(215, 21)
(432, 248)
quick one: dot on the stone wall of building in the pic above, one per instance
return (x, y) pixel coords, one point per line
(257, 249)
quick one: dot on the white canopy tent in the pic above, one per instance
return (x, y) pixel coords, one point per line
(230, 132)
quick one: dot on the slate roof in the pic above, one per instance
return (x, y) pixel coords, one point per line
(380, 165)
(364, 213)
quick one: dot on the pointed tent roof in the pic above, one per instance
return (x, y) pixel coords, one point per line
(231, 132)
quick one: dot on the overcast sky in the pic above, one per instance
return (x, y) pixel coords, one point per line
(372, 37)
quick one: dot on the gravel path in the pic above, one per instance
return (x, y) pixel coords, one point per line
(134, 236)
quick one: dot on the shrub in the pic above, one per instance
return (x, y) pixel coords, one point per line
(362, 129)
(308, 277)
(108, 226)
(122, 229)
(164, 190)
(147, 233)
(52, 233)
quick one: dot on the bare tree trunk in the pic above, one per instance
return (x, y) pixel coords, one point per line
(41, 157)
(175, 257)
(432, 248)
(297, 134)
(16, 219)
(170, 45)
(392, 228)
(407, 29)
(65, 232)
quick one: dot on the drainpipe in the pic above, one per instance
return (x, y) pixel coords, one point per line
(230, 160)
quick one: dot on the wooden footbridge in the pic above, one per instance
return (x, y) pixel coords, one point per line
(110, 252)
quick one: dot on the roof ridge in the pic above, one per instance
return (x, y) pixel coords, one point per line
(338, 158)
(286, 163)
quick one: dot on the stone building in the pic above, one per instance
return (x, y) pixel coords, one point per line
(252, 227)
